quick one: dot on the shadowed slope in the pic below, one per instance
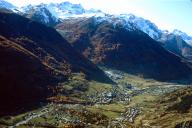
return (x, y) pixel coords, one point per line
(109, 43)
(33, 59)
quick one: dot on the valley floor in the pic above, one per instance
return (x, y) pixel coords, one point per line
(133, 102)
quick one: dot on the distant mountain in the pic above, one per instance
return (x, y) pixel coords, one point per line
(40, 14)
(106, 41)
(183, 35)
(144, 25)
(35, 58)
(176, 44)
(131, 22)
(52, 14)
(66, 10)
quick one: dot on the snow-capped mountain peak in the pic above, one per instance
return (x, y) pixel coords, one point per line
(182, 34)
(63, 10)
(39, 13)
(144, 25)
(66, 10)
(53, 13)
(71, 8)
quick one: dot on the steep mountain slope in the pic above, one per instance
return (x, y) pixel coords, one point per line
(177, 45)
(45, 43)
(23, 78)
(177, 41)
(107, 42)
(34, 57)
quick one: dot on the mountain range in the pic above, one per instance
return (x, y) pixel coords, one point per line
(43, 46)
(54, 13)
(109, 43)
(64, 10)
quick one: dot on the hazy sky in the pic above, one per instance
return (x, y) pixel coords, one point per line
(166, 14)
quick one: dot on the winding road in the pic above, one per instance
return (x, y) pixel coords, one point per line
(42, 112)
